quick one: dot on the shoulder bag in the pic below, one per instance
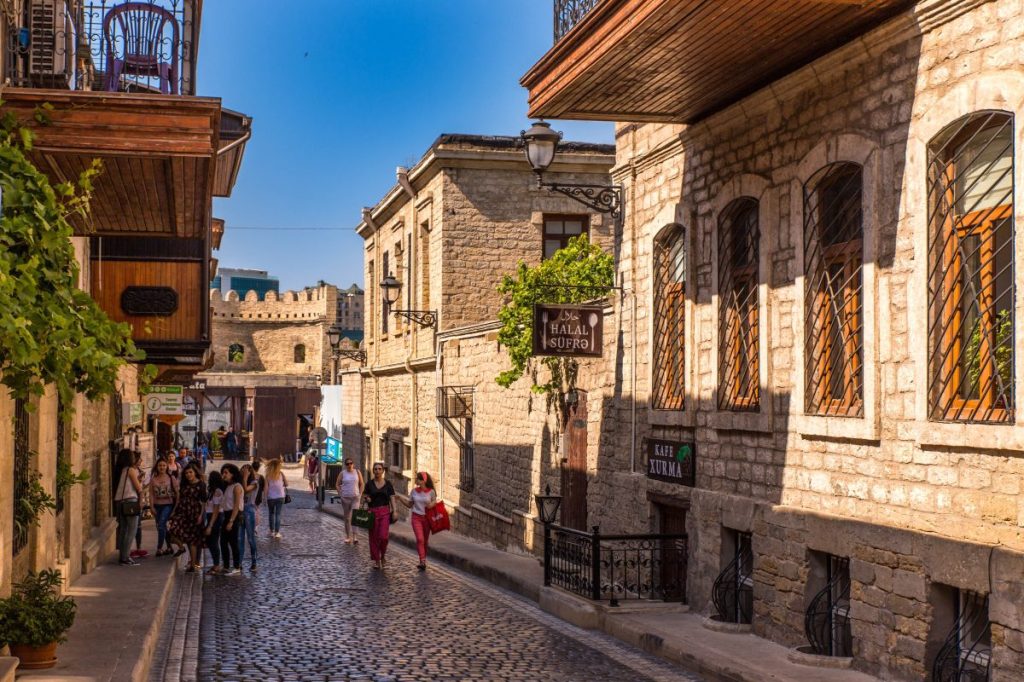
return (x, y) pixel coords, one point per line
(127, 507)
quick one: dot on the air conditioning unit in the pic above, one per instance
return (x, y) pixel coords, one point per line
(50, 44)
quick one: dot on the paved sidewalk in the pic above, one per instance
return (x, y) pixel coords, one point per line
(664, 630)
(120, 612)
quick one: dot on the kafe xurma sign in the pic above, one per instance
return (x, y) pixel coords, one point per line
(672, 462)
(567, 330)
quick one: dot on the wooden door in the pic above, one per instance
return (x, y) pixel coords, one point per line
(274, 427)
(673, 553)
(574, 466)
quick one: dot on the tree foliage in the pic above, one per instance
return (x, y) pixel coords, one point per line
(578, 273)
(51, 332)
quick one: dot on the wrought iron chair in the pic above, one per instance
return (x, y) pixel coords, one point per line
(140, 28)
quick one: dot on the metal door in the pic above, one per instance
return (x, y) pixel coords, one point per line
(574, 466)
(673, 553)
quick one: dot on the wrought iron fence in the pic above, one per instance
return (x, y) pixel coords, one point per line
(616, 567)
(22, 472)
(827, 620)
(568, 13)
(733, 591)
(139, 46)
(966, 654)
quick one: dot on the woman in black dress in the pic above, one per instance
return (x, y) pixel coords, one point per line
(186, 522)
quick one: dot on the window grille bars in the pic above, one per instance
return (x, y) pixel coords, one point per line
(733, 591)
(669, 319)
(62, 454)
(22, 471)
(833, 295)
(966, 654)
(739, 344)
(971, 270)
(827, 620)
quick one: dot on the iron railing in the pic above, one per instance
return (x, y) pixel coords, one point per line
(568, 13)
(971, 289)
(615, 567)
(827, 620)
(966, 654)
(66, 44)
(22, 473)
(454, 402)
(733, 591)
(739, 347)
(833, 297)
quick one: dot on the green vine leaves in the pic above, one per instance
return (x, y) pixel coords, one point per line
(578, 273)
(51, 332)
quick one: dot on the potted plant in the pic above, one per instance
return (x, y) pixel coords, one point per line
(36, 618)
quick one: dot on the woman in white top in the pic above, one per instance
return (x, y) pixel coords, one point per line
(129, 490)
(277, 491)
(215, 487)
(421, 498)
(231, 505)
(350, 483)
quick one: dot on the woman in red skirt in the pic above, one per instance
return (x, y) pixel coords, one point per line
(378, 493)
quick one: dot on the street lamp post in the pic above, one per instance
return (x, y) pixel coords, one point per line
(547, 509)
(334, 338)
(391, 290)
(541, 143)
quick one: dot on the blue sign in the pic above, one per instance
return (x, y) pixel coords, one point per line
(333, 453)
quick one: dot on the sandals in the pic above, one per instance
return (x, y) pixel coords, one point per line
(178, 552)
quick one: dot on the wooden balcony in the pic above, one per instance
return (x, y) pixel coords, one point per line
(678, 61)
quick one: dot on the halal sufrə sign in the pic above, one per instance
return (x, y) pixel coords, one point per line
(567, 330)
(672, 462)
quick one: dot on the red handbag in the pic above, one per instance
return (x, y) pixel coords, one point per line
(437, 516)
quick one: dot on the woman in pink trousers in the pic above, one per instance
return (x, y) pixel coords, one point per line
(420, 500)
(379, 493)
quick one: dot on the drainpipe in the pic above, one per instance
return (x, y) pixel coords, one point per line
(402, 175)
(367, 214)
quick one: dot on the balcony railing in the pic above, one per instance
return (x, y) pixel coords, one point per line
(568, 13)
(141, 46)
(614, 567)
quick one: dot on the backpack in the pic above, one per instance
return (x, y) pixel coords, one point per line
(261, 488)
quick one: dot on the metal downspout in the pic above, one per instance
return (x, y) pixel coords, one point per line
(402, 175)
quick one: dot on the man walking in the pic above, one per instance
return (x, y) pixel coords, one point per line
(231, 444)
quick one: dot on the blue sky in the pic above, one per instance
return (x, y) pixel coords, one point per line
(341, 92)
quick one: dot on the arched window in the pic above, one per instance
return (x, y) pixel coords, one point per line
(669, 318)
(300, 353)
(739, 344)
(236, 353)
(971, 270)
(833, 293)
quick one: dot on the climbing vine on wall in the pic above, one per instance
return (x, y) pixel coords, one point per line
(51, 332)
(578, 273)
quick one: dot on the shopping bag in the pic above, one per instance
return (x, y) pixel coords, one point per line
(362, 518)
(438, 518)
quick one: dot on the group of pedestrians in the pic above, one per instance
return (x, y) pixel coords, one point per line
(220, 513)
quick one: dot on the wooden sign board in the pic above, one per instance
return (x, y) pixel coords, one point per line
(568, 330)
(672, 462)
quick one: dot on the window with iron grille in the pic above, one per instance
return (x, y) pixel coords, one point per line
(385, 308)
(559, 229)
(833, 295)
(370, 310)
(966, 651)
(669, 318)
(739, 343)
(466, 465)
(971, 270)
(22, 469)
(61, 453)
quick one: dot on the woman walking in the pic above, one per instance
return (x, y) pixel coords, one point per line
(163, 493)
(215, 490)
(378, 493)
(186, 522)
(420, 500)
(172, 465)
(277, 490)
(247, 532)
(350, 482)
(126, 503)
(231, 506)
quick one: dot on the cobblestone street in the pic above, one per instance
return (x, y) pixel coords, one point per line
(316, 610)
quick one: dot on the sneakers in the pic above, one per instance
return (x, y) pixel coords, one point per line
(129, 562)
(234, 571)
(276, 534)
(138, 553)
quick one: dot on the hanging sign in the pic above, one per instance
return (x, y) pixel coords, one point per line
(333, 453)
(164, 400)
(672, 462)
(131, 414)
(567, 330)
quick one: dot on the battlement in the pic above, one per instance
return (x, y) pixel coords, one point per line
(312, 304)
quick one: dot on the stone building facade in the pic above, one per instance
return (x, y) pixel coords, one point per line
(448, 230)
(908, 493)
(350, 310)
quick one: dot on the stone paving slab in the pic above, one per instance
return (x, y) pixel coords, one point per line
(120, 612)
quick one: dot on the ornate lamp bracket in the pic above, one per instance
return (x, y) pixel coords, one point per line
(350, 354)
(601, 198)
(424, 318)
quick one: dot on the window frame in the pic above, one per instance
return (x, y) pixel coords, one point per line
(563, 238)
(732, 277)
(299, 353)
